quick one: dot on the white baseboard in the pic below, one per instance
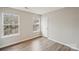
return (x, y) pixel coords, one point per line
(64, 44)
(27, 38)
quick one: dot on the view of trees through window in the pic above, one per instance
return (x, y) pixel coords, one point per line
(10, 24)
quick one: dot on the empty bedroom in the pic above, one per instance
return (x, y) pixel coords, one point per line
(39, 28)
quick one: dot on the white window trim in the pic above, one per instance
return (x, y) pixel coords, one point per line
(2, 15)
(39, 23)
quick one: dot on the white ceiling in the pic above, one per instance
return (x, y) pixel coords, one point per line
(38, 10)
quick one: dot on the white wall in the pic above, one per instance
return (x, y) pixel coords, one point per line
(63, 26)
(26, 27)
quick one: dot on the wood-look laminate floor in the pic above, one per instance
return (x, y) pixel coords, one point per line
(38, 44)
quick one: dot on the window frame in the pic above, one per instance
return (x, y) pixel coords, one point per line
(35, 18)
(10, 35)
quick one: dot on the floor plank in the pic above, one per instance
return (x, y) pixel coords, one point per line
(38, 44)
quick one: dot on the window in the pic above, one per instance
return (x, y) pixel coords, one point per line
(36, 24)
(10, 24)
